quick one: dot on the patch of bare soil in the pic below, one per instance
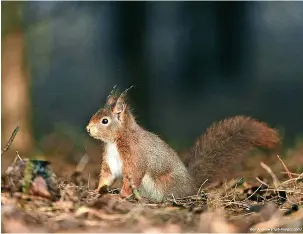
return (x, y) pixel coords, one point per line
(263, 205)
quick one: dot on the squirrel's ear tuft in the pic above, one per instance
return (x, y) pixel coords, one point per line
(112, 97)
(120, 105)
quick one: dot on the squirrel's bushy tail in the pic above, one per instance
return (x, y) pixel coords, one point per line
(224, 145)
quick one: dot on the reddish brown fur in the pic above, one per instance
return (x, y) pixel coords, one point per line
(222, 148)
(164, 178)
(133, 168)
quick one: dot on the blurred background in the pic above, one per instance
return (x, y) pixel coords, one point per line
(192, 63)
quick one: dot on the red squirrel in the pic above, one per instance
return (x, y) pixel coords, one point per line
(154, 167)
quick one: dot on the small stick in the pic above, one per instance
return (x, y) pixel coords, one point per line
(283, 190)
(88, 181)
(262, 182)
(82, 163)
(10, 141)
(234, 197)
(257, 190)
(291, 180)
(201, 186)
(174, 199)
(19, 156)
(295, 174)
(275, 179)
(286, 169)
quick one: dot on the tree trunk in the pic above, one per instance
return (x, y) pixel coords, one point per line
(15, 92)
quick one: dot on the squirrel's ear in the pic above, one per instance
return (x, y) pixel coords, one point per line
(120, 105)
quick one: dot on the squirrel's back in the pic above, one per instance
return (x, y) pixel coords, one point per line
(217, 152)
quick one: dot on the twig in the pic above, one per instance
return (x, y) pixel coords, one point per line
(82, 163)
(175, 201)
(17, 152)
(236, 185)
(262, 182)
(282, 190)
(238, 203)
(257, 190)
(10, 141)
(88, 181)
(201, 186)
(286, 169)
(295, 174)
(234, 196)
(291, 180)
(275, 179)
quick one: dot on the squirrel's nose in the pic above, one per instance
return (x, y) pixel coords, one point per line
(91, 129)
(88, 128)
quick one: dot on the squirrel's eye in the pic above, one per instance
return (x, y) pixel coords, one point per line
(104, 121)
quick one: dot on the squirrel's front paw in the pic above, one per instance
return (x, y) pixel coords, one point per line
(102, 189)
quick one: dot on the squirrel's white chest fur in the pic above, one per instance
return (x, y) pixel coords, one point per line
(113, 160)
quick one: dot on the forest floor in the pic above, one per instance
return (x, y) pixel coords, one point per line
(268, 198)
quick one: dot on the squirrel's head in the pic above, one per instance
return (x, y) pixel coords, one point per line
(108, 123)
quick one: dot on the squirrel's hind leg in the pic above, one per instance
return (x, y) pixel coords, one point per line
(151, 189)
(134, 178)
